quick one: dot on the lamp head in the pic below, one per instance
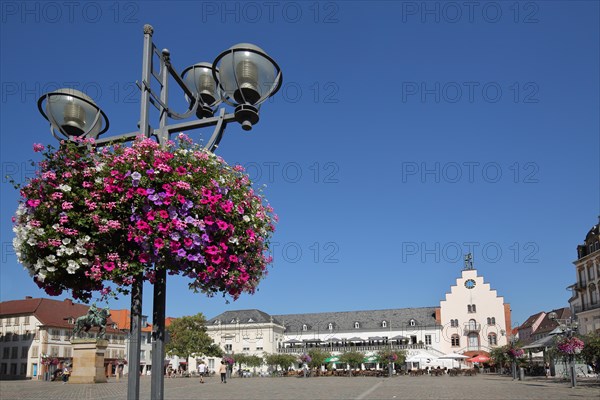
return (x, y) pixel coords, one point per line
(199, 78)
(247, 77)
(73, 114)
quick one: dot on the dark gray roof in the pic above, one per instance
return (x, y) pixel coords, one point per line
(242, 317)
(368, 320)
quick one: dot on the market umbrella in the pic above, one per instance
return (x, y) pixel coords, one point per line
(332, 359)
(454, 356)
(371, 359)
(479, 359)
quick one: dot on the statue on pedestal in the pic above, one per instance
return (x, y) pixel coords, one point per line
(94, 317)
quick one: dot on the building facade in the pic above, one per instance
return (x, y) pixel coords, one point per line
(472, 319)
(585, 298)
(35, 330)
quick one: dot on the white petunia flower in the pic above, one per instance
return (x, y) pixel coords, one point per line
(31, 242)
(64, 188)
(41, 275)
(72, 267)
(84, 261)
(69, 251)
(234, 240)
(39, 264)
(246, 218)
(51, 259)
(50, 268)
(66, 241)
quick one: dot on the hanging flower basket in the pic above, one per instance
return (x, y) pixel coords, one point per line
(515, 352)
(572, 345)
(228, 360)
(93, 216)
(305, 358)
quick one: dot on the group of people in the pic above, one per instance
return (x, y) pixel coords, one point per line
(203, 371)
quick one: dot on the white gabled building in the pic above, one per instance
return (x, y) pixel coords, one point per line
(474, 318)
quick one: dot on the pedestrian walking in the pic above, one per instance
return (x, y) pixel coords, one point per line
(223, 371)
(202, 371)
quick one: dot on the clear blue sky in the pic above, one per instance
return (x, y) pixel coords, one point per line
(402, 133)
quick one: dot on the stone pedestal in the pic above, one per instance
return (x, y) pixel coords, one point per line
(88, 361)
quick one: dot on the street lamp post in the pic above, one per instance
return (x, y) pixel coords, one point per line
(567, 328)
(243, 76)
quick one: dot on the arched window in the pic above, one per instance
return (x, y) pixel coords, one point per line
(492, 339)
(593, 294)
(489, 321)
(330, 326)
(472, 324)
(384, 324)
(356, 325)
(454, 323)
(493, 321)
(412, 322)
(455, 340)
(304, 327)
(469, 309)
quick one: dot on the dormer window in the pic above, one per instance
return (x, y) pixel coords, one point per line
(250, 320)
(304, 327)
(233, 321)
(330, 326)
(384, 324)
(217, 322)
(356, 325)
(412, 322)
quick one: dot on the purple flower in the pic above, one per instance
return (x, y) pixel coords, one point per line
(136, 176)
(181, 253)
(175, 236)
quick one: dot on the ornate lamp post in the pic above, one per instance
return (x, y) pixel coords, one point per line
(243, 76)
(567, 328)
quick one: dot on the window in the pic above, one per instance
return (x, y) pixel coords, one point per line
(489, 321)
(5, 353)
(384, 324)
(590, 271)
(211, 364)
(428, 340)
(330, 326)
(35, 352)
(245, 348)
(228, 347)
(23, 369)
(412, 322)
(492, 339)
(471, 308)
(16, 321)
(54, 334)
(593, 294)
(454, 323)
(472, 324)
(67, 352)
(473, 341)
(24, 351)
(14, 352)
(356, 325)
(54, 351)
(15, 337)
(304, 327)
(455, 340)
(26, 320)
(493, 321)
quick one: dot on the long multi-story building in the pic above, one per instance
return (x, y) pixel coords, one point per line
(585, 299)
(472, 319)
(35, 330)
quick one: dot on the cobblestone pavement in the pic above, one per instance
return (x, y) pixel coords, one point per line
(486, 387)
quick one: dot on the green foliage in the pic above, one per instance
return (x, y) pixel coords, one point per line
(254, 361)
(318, 357)
(187, 336)
(384, 356)
(591, 350)
(282, 360)
(354, 358)
(498, 356)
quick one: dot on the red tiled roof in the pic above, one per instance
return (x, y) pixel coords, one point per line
(51, 313)
(531, 320)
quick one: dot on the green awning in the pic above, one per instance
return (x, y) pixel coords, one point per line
(332, 359)
(371, 359)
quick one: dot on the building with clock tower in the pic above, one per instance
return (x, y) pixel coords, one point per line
(473, 316)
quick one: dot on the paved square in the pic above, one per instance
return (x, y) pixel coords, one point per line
(479, 387)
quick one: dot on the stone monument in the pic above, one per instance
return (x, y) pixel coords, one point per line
(88, 353)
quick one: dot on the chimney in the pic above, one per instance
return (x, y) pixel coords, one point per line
(69, 301)
(28, 297)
